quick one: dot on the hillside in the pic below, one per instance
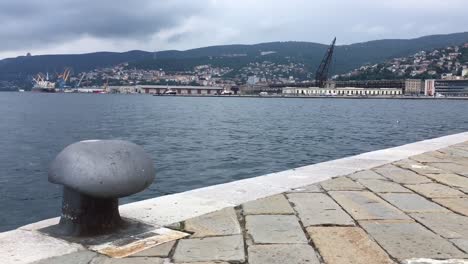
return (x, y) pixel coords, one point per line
(425, 64)
(347, 57)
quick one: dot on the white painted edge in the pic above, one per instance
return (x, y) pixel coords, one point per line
(178, 207)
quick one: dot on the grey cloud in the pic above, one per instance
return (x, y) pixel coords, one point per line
(32, 23)
(50, 26)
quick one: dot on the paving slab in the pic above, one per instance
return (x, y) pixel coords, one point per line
(367, 174)
(383, 186)
(448, 225)
(435, 190)
(458, 205)
(344, 245)
(169, 209)
(411, 203)
(83, 256)
(318, 209)
(227, 248)
(19, 246)
(204, 262)
(417, 166)
(461, 243)
(220, 223)
(410, 240)
(400, 175)
(162, 251)
(282, 254)
(139, 260)
(341, 184)
(450, 179)
(276, 204)
(435, 261)
(452, 167)
(310, 188)
(454, 151)
(432, 156)
(366, 206)
(274, 229)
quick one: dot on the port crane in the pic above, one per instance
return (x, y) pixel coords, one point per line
(321, 75)
(63, 78)
(81, 79)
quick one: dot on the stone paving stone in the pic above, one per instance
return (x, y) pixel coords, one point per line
(450, 179)
(310, 188)
(411, 203)
(341, 184)
(455, 152)
(139, 260)
(461, 243)
(400, 175)
(220, 223)
(204, 262)
(277, 204)
(458, 205)
(448, 225)
(367, 174)
(366, 206)
(274, 229)
(432, 156)
(343, 245)
(282, 254)
(410, 240)
(382, 186)
(162, 250)
(227, 248)
(318, 209)
(83, 256)
(434, 261)
(435, 190)
(417, 166)
(452, 167)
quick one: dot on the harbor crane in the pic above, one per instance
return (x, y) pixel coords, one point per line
(63, 78)
(81, 79)
(321, 75)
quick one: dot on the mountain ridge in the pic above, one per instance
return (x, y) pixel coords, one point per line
(346, 58)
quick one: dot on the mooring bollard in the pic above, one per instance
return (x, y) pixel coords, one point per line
(94, 174)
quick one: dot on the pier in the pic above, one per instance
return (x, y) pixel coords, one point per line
(407, 204)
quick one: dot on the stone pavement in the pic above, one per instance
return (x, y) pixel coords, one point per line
(412, 211)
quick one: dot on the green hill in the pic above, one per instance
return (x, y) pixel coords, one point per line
(347, 57)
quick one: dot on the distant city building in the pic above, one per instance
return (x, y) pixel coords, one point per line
(181, 90)
(465, 73)
(345, 91)
(252, 80)
(446, 88)
(413, 86)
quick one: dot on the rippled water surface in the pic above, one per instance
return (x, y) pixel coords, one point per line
(197, 142)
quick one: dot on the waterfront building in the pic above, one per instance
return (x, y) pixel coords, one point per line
(446, 88)
(465, 73)
(181, 90)
(413, 86)
(345, 91)
(126, 89)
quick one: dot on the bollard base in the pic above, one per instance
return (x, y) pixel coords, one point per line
(83, 215)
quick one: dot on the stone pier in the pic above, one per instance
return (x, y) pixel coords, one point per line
(402, 205)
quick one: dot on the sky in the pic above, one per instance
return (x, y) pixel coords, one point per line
(81, 26)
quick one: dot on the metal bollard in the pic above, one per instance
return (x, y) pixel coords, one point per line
(94, 174)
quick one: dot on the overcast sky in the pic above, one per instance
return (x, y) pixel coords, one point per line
(79, 26)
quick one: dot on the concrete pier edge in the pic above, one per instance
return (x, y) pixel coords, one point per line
(26, 244)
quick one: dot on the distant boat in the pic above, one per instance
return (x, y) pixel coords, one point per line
(43, 85)
(170, 92)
